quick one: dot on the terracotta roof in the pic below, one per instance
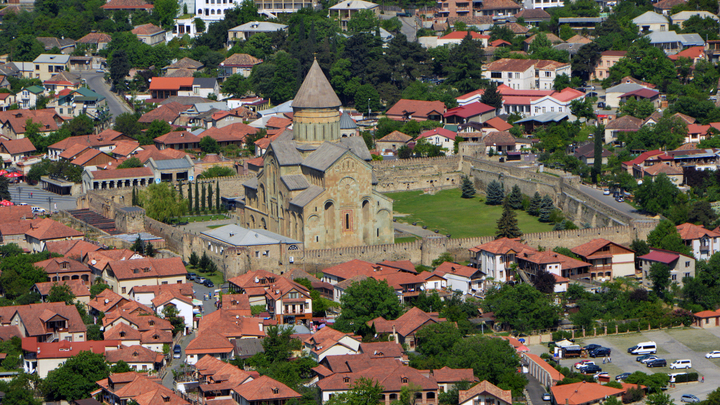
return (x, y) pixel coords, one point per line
(642, 93)
(517, 29)
(134, 354)
(510, 65)
(7, 332)
(484, 388)
(693, 52)
(643, 157)
(469, 110)
(453, 375)
(50, 229)
(238, 302)
(125, 148)
(614, 53)
(416, 108)
(552, 257)
(145, 268)
(248, 280)
(186, 63)
(18, 227)
(167, 112)
(106, 300)
(184, 289)
(209, 341)
(15, 213)
(156, 336)
(232, 323)
(65, 349)
(353, 268)
(688, 119)
(668, 4)
(407, 323)
(169, 295)
(404, 265)
(278, 122)
(554, 39)
(690, 231)
(656, 169)
(32, 317)
(554, 374)
(499, 5)
(73, 151)
(462, 34)
(265, 389)
(126, 5)
(241, 60)
(533, 14)
(502, 246)
(17, 146)
(471, 19)
(122, 332)
(62, 265)
(499, 42)
(582, 393)
(151, 151)
(392, 377)
(147, 29)
(625, 123)
(587, 249)
(90, 154)
(454, 268)
(236, 132)
(395, 136)
(382, 349)
(343, 285)
(177, 137)
(326, 338)
(17, 119)
(95, 38)
(499, 138)
(143, 389)
(446, 133)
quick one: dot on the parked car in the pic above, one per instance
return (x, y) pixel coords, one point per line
(689, 398)
(591, 369)
(602, 374)
(208, 283)
(583, 363)
(601, 104)
(190, 276)
(644, 357)
(649, 359)
(622, 377)
(592, 347)
(200, 280)
(38, 210)
(177, 352)
(656, 363)
(678, 364)
(547, 397)
(606, 192)
(600, 351)
(715, 354)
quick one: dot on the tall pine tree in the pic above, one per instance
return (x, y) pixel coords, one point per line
(507, 225)
(515, 198)
(495, 193)
(546, 208)
(535, 203)
(468, 189)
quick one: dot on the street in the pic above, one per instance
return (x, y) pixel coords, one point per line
(597, 193)
(20, 193)
(96, 82)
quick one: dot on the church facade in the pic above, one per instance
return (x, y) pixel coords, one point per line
(317, 186)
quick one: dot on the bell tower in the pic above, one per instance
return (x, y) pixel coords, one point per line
(316, 109)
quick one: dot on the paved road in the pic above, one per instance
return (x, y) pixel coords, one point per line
(21, 194)
(535, 390)
(96, 82)
(409, 28)
(597, 193)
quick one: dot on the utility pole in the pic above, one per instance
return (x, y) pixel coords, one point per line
(50, 205)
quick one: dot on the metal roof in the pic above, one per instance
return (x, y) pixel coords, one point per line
(258, 26)
(173, 164)
(346, 122)
(305, 197)
(286, 152)
(357, 145)
(649, 17)
(238, 236)
(549, 117)
(624, 88)
(663, 37)
(48, 58)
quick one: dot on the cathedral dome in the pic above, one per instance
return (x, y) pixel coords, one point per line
(316, 91)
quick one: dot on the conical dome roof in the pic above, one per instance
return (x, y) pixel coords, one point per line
(316, 91)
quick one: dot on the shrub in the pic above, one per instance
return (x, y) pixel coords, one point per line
(632, 395)
(561, 334)
(622, 328)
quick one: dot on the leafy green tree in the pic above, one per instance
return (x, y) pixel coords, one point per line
(535, 204)
(203, 198)
(659, 398)
(507, 225)
(452, 396)
(544, 281)
(98, 287)
(278, 343)
(161, 202)
(197, 197)
(640, 247)
(76, 378)
(61, 293)
(235, 86)
(363, 21)
(199, 25)
(209, 145)
(171, 314)
(129, 163)
(514, 199)
(665, 236)
(466, 66)
(660, 276)
(492, 97)
(194, 259)
(582, 108)
(26, 48)
(656, 195)
(216, 171)
(495, 193)
(190, 197)
(522, 307)
(638, 109)
(366, 300)
(128, 124)
(702, 213)
(166, 11)
(138, 246)
(364, 391)
(150, 250)
(119, 69)
(438, 338)
(21, 390)
(468, 189)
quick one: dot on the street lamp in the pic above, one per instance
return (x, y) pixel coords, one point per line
(19, 194)
(368, 108)
(50, 205)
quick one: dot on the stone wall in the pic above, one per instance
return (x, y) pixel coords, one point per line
(417, 174)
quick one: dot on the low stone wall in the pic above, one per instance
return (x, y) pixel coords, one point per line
(417, 174)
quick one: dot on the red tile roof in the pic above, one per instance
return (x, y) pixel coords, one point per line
(693, 52)
(485, 388)
(662, 256)
(392, 376)
(14, 213)
(416, 108)
(134, 354)
(497, 123)
(95, 38)
(241, 60)
(31, 317)
(49, 229)
(265, 389)
(407, 323)
(69, 248)
(446, 133)
(469, 110)
(145, 268)
(149, 29)
(127, 5)
(642, 93)
(177, 137)
(64, 349)
(614, 53)
(587, 249)
(463, 34)
(554, 374)
(18, 146)
(502, 246)
(151, 151)
(454, 268)
(167, 112)
(690, 231)
(237, 132)
(582, 393)
(17, 119)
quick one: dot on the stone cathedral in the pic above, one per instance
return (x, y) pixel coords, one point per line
(316, 186)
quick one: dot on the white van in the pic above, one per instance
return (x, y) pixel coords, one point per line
(680, 364)
(673, 376)
(644, 348)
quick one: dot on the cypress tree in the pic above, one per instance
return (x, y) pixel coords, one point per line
(197, 198)
(546, 208)
(180, 190)
(210, 197)
(507, 225)
(202, 199)
(133, 198)
(190, 201)
(534, 207)
(495, 193)
(492, 97)
(217, 195)
(597, 155)
(515, 198)
(468, 189)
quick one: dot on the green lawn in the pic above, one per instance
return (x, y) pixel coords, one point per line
(217, 278)
(459, 217)
(200, 218)
(406, 240)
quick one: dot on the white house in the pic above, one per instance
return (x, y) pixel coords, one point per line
(681, 17)
(555, 102)
(330, 342)
(651, 22)
(547, 70)
(182, 303)
(703, 242)
(485, 393)
(494, 258)
(461, 278)
(525, 74)
(441, 137)
(431, 281)
(214, 10)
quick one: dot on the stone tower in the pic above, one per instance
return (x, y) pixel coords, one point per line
(316, 109)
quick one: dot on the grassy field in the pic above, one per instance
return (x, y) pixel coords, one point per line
(460, 217)
(406, 240)
(217, 277)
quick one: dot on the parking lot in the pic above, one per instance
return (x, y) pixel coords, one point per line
(673, 344)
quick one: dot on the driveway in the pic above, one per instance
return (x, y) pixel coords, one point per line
(20, 193)
(535, 390)
(96, 82)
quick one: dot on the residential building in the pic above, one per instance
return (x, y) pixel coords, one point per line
(555, 263)
(680, 266)
(608, 259)
(97, 41)
(403, 329)
(79, 102)
(473, 112)
(651, 22)
(702, 242)
(525, 74)
(642, 95)
(695, 54)
(465, 279)
(46, 66)
(27, 98)
(123, 275)
(45, 322)
(330, 342)
(120, 388)
(13, 151)
(183, 64)
(674, 173)
(150, 34)
(238, 63)
(128, 5)
(456, 37)
(41, 358)
(346, 9)
(165, 87)
(61, 269)
(145, 294)
(216, 380)
(586, 153)
(48, 230)
(494, 258)
(607, 60)
(71, 249)
(440, 137)
(7, 100)
(62, 81)
(216, 334)
(182, 303)
(680, 18)
(665, 6)
(117, 178)
(390, 143)
(707, 319)
(612, 94)
(263, 390)
(245, 31)
(626, 123)
(496, 8)
(583, 393)
(671, 42)
(405, 110)
(106, 301)
(485, 393)
(137, 357)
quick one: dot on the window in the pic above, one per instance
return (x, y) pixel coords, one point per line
(293, 295)
(687, 263)
(496, 75)
(124, 290)
(37, 67)
(347, 221)
(548, 74)
(674, 277)
(687, 275)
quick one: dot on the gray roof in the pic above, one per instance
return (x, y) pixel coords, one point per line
(295, 182)
(285, 107)
(663, 37)
(354, 5)
(305, 197)
(549, 117)
(252, 183)
(650, 17)
(346, 122)
(246, 348)
(206, 83)
(624, 88)
(316, 91)
(173, 164)
(130, 209)
(205, 107)
(327, 154)
(238, 236)
(47, 58)
(286, 152)
(185, 100)
(571, 47)
(258, 26)
(357, 145)
(691, 40)
(580, 20)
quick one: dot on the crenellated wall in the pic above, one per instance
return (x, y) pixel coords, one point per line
(417, 174)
